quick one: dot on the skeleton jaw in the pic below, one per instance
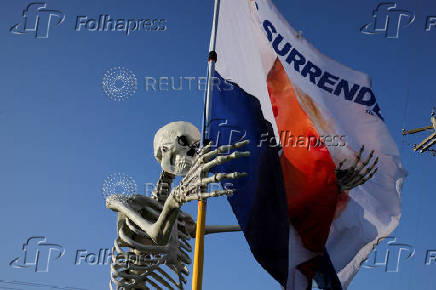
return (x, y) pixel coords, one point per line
(182, 166)
(176, 163)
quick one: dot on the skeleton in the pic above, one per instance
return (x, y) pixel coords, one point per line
(152, 247)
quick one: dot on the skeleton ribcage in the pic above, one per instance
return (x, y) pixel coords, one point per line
(138, 263)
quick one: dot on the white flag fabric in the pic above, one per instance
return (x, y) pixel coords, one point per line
(320, 113)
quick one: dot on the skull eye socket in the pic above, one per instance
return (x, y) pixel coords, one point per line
(164, 148)
(182, 140)
(194, 148)
(191, 152)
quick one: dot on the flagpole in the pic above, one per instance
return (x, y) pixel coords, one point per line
(197, 273)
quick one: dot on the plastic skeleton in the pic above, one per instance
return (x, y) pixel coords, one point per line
(427, 142)
(151, 250)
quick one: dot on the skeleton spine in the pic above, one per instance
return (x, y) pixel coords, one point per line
(159, 194)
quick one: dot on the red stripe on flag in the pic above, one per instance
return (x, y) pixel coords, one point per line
(309, 171)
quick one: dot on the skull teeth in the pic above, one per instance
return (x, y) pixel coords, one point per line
(182, 165)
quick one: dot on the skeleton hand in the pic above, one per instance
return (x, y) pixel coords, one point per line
(353, 176)
(194, 185)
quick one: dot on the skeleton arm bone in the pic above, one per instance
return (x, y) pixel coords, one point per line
(191, 188)
(123, 206)
(160, 231)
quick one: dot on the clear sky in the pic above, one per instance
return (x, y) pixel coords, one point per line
(61, 136)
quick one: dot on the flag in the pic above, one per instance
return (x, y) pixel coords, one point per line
(304, 114)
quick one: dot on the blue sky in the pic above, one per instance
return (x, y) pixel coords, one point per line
(61, 136)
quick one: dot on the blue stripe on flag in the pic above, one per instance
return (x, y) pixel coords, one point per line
(260, 200)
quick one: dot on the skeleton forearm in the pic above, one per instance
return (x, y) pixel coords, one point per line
(120, 205)
(160, 231)
(163, 226)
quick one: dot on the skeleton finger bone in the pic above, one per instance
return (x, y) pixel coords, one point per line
(203, 168)
(224, 149)
(206, 148)
(221, 159)
(221, 176)
(202, 158)
(205, 195)
(196, 187)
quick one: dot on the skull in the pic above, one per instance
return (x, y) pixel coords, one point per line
(175, 147)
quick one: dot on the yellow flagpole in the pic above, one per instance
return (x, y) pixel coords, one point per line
(197, 273)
